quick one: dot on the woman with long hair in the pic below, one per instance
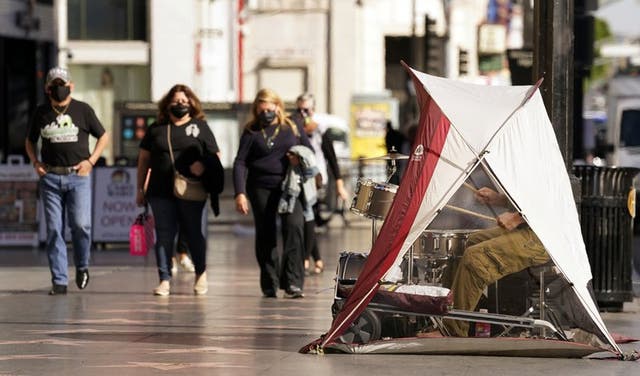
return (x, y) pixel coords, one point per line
(180, 130)
(258, 173)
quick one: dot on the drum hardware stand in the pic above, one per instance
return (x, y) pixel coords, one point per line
(410, 266)
(391, 170)
(374, 231)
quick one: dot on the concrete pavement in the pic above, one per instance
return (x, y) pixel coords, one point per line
(116, 327)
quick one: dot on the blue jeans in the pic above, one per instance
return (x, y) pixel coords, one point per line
(70, 193)
(169, 215)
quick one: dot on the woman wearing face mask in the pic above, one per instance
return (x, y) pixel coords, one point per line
(258, 172)
(180, 121)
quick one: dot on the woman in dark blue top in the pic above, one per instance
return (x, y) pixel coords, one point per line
(258, 171)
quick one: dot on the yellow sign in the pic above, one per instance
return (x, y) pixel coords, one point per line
(368, 128)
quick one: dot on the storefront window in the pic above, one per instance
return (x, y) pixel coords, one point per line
(103, 85)
(107, 19)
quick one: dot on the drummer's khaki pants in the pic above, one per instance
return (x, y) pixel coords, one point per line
(491, 254)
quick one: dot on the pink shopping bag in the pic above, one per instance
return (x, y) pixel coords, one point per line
(142, 234)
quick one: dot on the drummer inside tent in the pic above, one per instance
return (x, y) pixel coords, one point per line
(476, 243)
(491, 254)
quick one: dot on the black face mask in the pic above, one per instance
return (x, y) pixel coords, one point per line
(179, 110)
(303, 111)
(266, 117)
(59, 93)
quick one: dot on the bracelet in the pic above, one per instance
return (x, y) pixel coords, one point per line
(36, 163)
(91, 163)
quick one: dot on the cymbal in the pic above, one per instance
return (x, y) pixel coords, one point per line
(390, 156)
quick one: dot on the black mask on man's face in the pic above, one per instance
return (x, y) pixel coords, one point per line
(179, 110)
(59, 93)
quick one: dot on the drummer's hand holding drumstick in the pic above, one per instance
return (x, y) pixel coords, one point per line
(507, 220)
(491, 197)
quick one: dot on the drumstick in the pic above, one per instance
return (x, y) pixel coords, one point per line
(475, 190)
(471, 187)
(471, 213)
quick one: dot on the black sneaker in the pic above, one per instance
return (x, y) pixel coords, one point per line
(82, 278)
(269, 294)
(294, 292)
(58, 290)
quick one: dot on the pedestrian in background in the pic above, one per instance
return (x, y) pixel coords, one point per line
(327, 164)
(64, 126)
(180, 129)
(258, 172)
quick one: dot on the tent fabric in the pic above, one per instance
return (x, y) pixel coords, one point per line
(434, 127)
(470, 346)
(507, 130)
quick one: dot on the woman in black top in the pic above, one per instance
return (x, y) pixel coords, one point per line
(258, 172)
(180, 117)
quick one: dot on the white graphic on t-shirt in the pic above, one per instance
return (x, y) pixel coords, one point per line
(61, 130)
(192, 130)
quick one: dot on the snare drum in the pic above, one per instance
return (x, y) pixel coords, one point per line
(441, 244)
(436, 254)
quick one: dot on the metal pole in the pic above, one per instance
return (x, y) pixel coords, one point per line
(553, 59)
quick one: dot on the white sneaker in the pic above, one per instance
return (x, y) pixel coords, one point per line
(201, 287)
(174, 265)
(163, 289)
(187, 264)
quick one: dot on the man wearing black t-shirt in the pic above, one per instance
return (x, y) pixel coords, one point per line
(64, 125)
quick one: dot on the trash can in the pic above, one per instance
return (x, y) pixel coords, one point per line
(607, 209)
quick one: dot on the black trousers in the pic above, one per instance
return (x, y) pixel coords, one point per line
(264, 205)
(311, 242)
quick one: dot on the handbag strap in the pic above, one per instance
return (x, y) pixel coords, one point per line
(173, 163)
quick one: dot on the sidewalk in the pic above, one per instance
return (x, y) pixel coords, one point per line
(116, 326)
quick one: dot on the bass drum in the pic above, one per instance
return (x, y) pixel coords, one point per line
(349, 267)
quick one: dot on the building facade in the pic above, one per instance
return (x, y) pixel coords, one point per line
(27, 47)
(134, 50)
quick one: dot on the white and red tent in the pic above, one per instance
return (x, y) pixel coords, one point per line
(507, 131)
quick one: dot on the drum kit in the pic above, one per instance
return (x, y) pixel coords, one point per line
(430, 261)
(373, 199)
(433, 251)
